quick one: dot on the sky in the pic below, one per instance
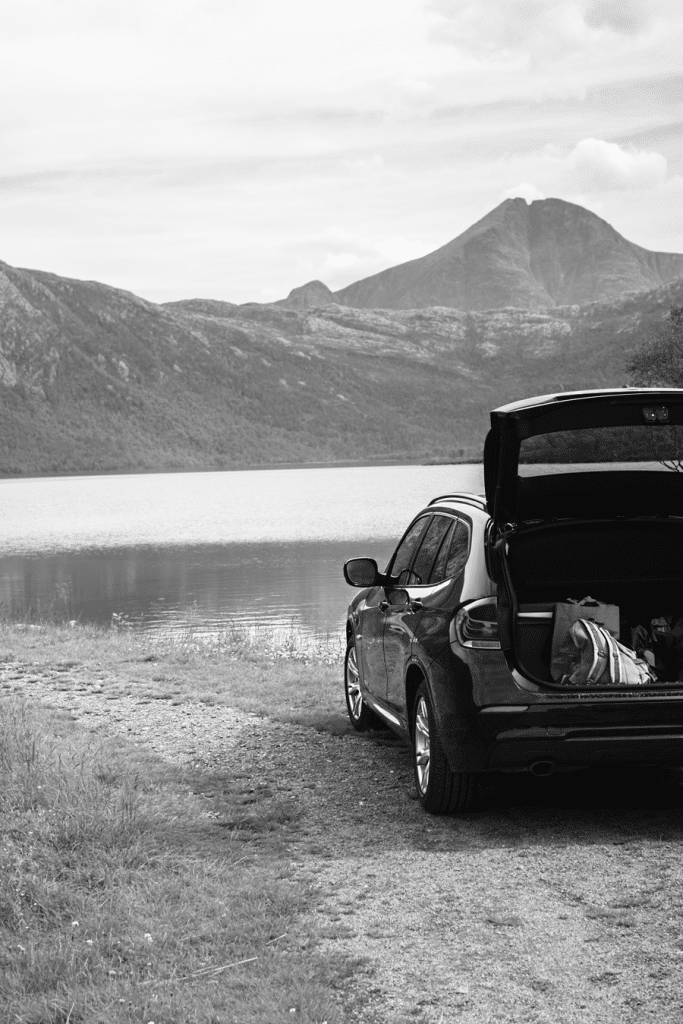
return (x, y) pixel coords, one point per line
(235, 149)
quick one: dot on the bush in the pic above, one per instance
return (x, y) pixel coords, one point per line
(659, 363)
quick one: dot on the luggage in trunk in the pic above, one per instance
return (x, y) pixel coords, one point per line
(585, 492)
(634, 566)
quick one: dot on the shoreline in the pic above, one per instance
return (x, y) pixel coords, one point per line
(247, 468)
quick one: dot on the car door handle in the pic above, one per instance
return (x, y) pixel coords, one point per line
(413, 606)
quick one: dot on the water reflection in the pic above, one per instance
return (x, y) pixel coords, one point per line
(290, 585)
(261, 547)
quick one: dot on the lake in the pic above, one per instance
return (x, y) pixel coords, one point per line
(159, 552)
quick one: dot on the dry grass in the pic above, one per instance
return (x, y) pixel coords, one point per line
(124, 895)
(279, 642)
(241, 673)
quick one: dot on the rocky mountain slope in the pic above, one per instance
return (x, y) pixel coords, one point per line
(548, 253)
(313, 293)
(94, 378)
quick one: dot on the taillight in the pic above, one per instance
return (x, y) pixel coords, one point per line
(476, 624)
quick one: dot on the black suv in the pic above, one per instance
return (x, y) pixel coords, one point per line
(450, 646)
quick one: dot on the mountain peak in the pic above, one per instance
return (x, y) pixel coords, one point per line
(313, 293)
(528, 255)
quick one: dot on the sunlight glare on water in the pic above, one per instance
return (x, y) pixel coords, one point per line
(71, 513)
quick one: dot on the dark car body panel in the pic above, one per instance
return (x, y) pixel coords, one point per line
(372, 646)
(490, 713)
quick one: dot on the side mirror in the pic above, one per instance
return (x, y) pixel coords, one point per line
(361, 572)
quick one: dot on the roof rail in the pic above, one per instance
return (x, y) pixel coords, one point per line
(468, 496)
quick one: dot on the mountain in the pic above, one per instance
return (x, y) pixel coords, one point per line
(314, 293)
(93, 378)
(548, 253)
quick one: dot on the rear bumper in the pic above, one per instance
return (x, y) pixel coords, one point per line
(489, 721)
(564, 748)
(512, 739)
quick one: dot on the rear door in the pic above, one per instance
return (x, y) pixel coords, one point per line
(446, 582)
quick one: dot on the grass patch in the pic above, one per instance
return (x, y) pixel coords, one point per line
(306, 691)
(125, 898)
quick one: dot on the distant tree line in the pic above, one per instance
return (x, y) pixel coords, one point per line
(658, 363)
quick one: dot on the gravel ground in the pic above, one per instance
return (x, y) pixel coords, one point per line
(560, 901)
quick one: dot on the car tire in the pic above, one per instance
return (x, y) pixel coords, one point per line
(439, 790)
(361, 716)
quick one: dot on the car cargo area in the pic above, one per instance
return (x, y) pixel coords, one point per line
(633, 564)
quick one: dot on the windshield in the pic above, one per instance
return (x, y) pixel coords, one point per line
(644, 447)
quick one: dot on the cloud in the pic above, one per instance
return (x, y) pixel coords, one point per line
(599, 166)
(617, 15)
(593, 167)
(526, 189)
(528, 25)
(338, 256)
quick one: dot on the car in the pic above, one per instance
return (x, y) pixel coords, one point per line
(451, 644)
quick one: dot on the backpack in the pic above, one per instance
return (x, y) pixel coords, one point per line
(563, 653)
(600, 660)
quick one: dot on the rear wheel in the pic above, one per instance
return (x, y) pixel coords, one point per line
(362, 717)
(439, 790)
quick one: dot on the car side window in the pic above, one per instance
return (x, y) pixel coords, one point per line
(429, 548)
(459, 550)
(400, 563)
(438, 573)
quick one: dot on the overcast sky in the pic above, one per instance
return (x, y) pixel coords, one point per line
(235, 149)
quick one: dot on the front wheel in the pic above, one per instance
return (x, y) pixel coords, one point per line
(439, 790)
(362, 717)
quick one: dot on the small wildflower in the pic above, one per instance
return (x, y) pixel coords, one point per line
(88, 942)
(75, 924)
(149, 937)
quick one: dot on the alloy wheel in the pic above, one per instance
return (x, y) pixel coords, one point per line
(422, 745)
(353, 694)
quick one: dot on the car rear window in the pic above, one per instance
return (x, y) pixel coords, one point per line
(438, 573)
(459, 550)
(645, 447)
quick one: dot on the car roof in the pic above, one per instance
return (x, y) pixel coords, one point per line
(458, 498)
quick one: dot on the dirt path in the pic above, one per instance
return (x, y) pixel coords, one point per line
(561, 901)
